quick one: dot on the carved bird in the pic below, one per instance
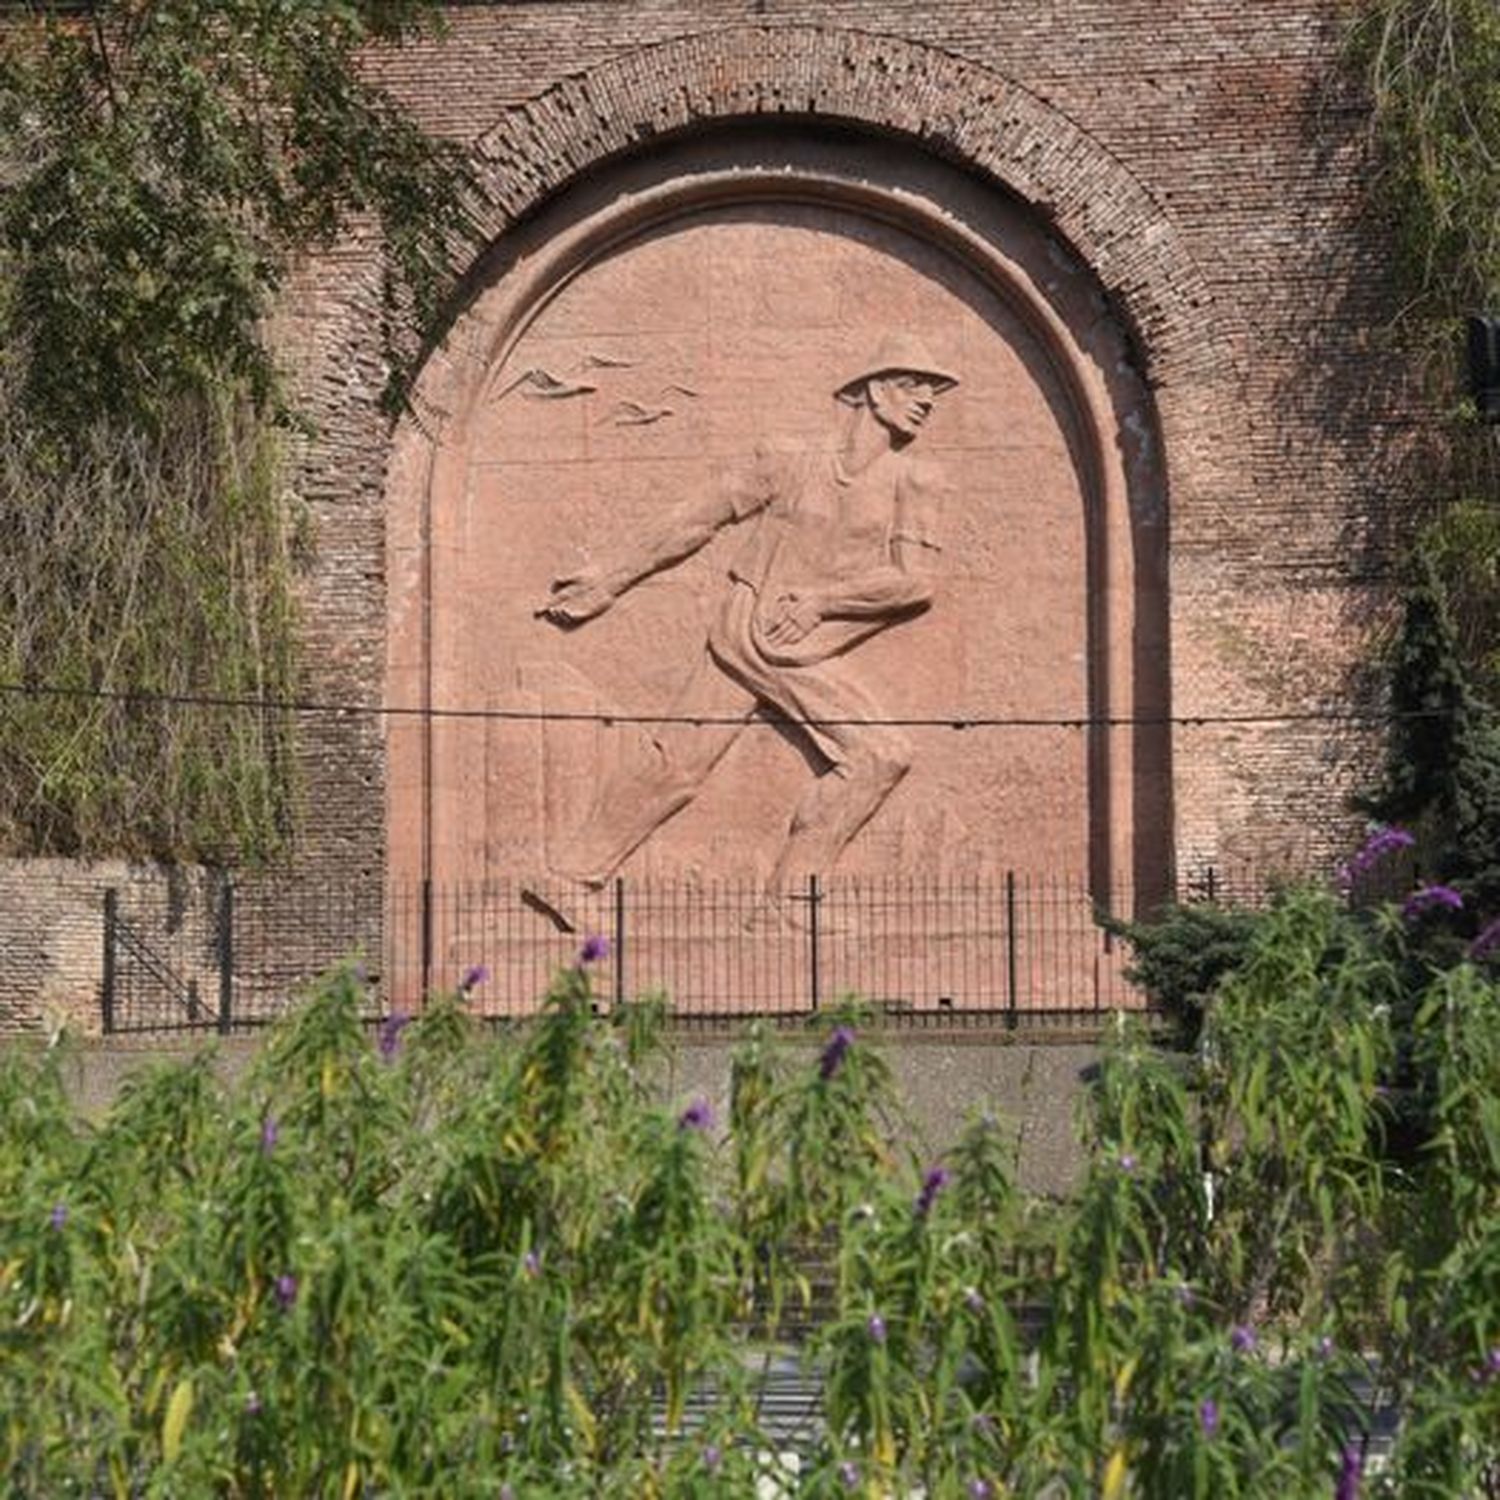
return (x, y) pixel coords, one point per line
(628, 413)
(541, 384)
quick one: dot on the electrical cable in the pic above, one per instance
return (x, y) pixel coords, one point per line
(955, 721)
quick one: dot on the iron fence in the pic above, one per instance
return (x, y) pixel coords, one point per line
(1005, 949)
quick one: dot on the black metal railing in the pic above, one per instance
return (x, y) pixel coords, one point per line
(146, 986)
(1006, 949)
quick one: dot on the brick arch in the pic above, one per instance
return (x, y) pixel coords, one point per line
(576, 215)
(951, 107)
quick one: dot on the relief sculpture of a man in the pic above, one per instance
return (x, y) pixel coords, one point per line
(840, 545)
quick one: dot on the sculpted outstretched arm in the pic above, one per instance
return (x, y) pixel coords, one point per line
(680, 533)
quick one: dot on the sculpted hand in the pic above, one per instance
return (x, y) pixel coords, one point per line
(578, 597)
(793, 616)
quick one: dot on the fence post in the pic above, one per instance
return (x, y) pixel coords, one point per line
(107, 995)
(619, 943)
(814, 977)
(426, 919)
(1011, 966)
(1211, 885)
(226, 953)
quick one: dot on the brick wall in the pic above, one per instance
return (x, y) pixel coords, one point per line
(1206, 161)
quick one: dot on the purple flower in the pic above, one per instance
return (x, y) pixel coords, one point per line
(849, 1474)
(875, 1327)
(932, 1184)
(390, 1033)
(973, 1300)
(531, 1264)
(269, 1135)
(1186, 1297)
(698, 1115)
(1242, 1338)
(1126, 1162)
(1487, 941)
(59, 1215)
(286, 1290)
(833, 1054)
(1350, 1475)
(713, 1458)
(252, 1404)
(474, 976)
(1324, 1347)
(1208, 1416)
(1431, 898)
(594, 949)
(1381, 842)
(980, 1489)
(507, 1491)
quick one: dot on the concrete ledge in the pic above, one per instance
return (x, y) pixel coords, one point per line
(1033, 1082)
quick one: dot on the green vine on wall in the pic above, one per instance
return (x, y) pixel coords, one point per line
(1433, 72)
(165, 163)
(1432, 69)
(151, 563)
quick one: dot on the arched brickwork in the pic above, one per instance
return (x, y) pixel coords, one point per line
(953, 108)
(575, 135)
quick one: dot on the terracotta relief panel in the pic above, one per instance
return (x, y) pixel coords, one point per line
(807, 490)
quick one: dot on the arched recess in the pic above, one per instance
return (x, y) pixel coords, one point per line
(471, 555)
(989, 125)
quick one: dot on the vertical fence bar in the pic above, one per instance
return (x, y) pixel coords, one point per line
(619, 935)
(814, 978)
(107, 996)
(1010, 949)
(225, 946)
(426, 920)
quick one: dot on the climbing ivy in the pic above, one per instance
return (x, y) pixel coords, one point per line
(147, 573)
(165, 163)
(1432, 70)
(1431, 67)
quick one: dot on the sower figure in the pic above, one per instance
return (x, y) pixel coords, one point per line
(840, 548)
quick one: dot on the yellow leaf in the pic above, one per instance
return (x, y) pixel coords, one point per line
(1115, 1473)
(179, 1408)
(582, 1416)
(1123, 1379)
(351, 1480)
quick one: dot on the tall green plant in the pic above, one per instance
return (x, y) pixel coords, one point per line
(1442, 772)
(166, 161)
(165, 164)
(145, 570)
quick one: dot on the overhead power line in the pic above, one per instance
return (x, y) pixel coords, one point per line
(954, 721)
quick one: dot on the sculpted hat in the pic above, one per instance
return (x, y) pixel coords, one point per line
(899, 353)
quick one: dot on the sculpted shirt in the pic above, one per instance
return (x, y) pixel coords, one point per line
(816, 526)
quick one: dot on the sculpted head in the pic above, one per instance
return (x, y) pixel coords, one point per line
(899, 386)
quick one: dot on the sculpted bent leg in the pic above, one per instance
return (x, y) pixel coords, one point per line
(638, 798)
(871, 763)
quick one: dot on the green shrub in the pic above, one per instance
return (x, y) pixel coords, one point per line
(435, 1261)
